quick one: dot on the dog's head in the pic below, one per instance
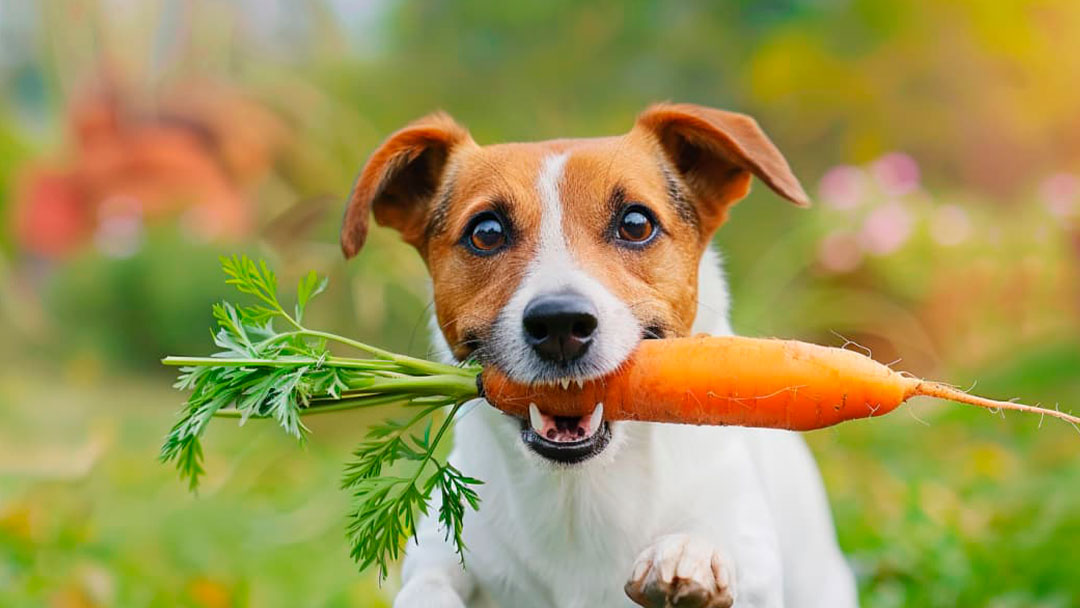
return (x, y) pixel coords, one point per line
(551, 260)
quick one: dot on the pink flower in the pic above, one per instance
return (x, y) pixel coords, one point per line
(1059, 193)
(842, 187)
(839, 252)
(885, 229)
(897, 173)
(951, 225)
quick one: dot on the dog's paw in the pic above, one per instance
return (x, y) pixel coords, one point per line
(679, 571)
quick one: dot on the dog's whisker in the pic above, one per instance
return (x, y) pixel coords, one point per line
(420, 321)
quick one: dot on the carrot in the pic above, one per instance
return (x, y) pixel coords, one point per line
(729, 380)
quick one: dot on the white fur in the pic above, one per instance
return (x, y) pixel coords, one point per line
(553, 270)
(549, 535)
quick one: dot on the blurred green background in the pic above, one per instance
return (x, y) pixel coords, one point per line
(140, 139)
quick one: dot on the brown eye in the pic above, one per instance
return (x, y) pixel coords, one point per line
(487, 235)
(636, 226)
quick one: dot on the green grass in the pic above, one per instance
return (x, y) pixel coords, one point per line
(88, 514)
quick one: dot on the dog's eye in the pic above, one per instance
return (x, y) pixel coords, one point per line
(487, 234)
(636, 225)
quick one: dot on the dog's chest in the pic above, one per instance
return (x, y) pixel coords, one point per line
(562, 538)
(574, 549)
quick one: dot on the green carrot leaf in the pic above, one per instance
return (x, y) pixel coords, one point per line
(310, 286)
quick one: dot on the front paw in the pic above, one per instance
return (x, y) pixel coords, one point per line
(679, 571)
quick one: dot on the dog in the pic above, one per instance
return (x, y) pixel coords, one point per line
(552, 260)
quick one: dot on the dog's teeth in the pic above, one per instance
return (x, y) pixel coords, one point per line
(580, 383)
(596, 419)
(535, 420)
(564, 383)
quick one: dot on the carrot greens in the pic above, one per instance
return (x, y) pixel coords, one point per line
(263, 372)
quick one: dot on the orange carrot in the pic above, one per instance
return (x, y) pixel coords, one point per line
(729, 380)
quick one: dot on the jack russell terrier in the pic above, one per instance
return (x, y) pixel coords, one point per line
(551, 260)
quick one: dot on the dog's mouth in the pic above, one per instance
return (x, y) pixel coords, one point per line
(566, 439)
(572, 439)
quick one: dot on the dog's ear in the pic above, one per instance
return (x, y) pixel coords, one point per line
(400, 179)
(715, 153)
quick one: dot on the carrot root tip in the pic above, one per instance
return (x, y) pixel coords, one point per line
(948, 393)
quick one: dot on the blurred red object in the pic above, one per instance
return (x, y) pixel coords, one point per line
(196, 161)
(51, 218)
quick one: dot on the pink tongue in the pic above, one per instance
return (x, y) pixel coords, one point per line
(563, 428)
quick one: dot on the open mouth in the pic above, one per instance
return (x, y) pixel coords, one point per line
(566, 439)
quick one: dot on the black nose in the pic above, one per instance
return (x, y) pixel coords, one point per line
(560, 326)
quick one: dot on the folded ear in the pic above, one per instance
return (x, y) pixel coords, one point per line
(400, 179)
(715, 153)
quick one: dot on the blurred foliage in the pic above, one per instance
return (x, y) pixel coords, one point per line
(165, 290)
(941, 141)
(12, 155)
